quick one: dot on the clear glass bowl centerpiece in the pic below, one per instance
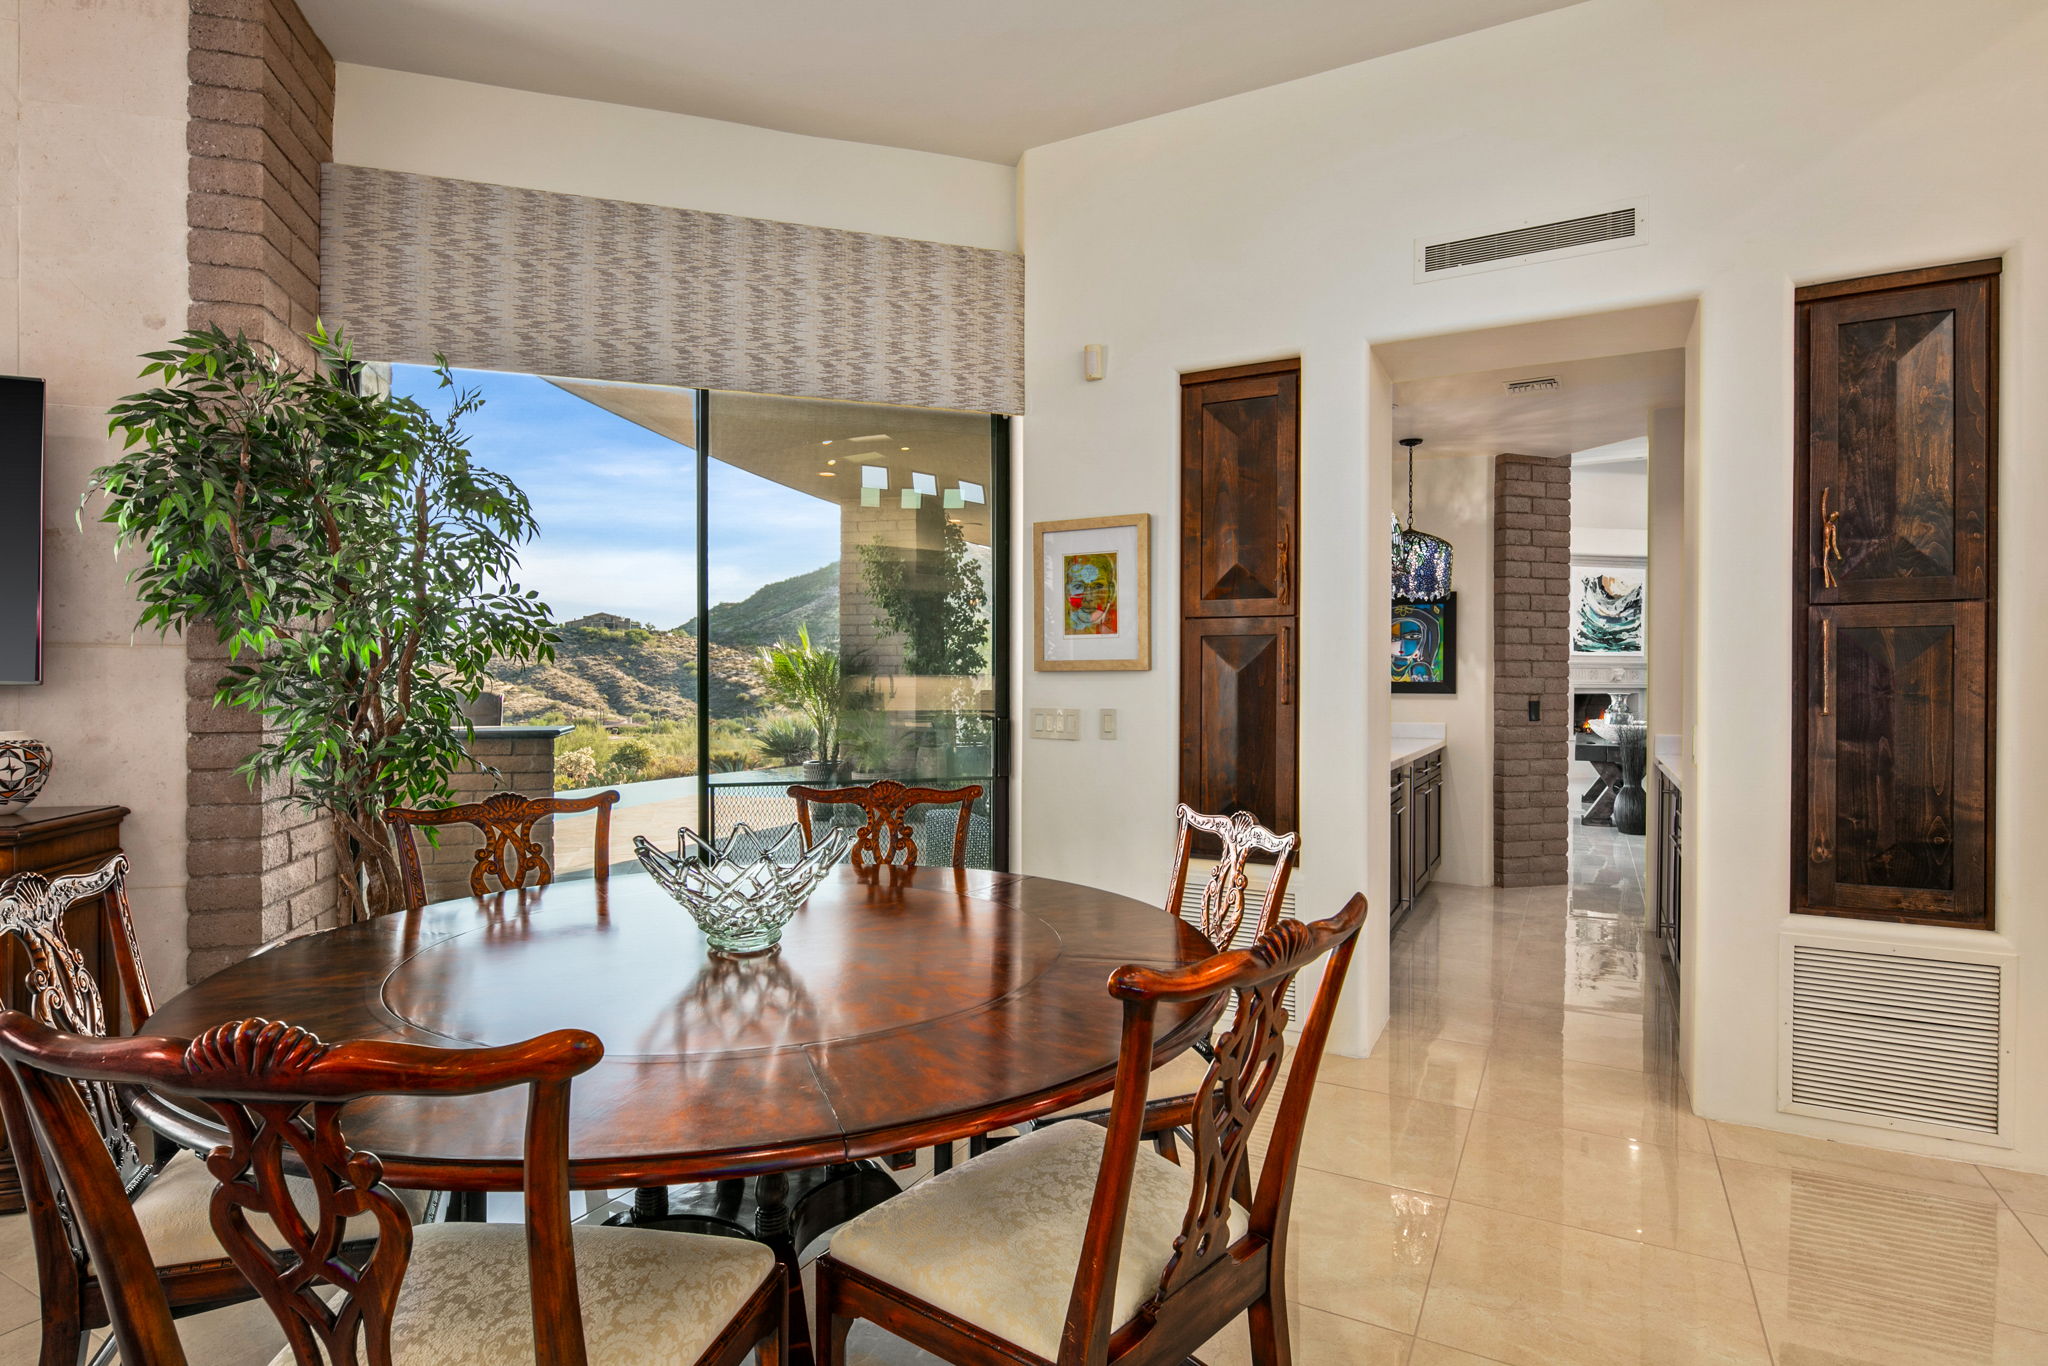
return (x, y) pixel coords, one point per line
(742, 893)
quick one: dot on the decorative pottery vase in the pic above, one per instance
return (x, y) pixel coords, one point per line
(24, 768)
(743, 890)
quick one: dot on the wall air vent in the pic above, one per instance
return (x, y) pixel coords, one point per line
(1532, 386)
(1908, 1038)
(1603, 231)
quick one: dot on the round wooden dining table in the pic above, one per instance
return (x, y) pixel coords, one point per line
(901, 1010)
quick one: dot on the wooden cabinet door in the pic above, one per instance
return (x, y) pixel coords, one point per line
(1400, 845)
(1237, 743)
(1898, 428)
(1897, 823)
(1240, 480)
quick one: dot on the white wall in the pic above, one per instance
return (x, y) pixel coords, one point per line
(1454, 500)
(92, 274)
(1610, 511)
(429, 125)
(1771, 144)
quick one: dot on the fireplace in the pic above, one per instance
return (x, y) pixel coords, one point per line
(1588, 707)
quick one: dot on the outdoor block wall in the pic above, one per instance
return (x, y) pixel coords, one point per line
(1532, 535)
(260, 111)
(524, 757)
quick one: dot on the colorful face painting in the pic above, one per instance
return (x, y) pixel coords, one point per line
(1424, 646)
(1091, 583)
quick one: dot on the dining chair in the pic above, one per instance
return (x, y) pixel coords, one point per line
(509, 852)
(169, 1188)
(443, 1294)
(1220, 915)
(886, 834)
(1077, 1244)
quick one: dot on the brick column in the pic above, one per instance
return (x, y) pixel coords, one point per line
(1532, 533)
(261, 121)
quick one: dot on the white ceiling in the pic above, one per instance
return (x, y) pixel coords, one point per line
(972, 78)
(1598, 403)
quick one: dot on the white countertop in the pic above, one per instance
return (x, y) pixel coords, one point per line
(1412, 740)
(1670, 761)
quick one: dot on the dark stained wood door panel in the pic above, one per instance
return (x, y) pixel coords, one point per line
(1240, 463)
(1898, 476)
(1897, 822)
(1238, 681)
(1895, 597)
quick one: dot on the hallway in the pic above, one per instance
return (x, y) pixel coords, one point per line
(1553, 1201)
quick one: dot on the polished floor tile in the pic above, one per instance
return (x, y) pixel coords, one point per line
(1815, 1321)
(1769, 1148)
(1318, 1339)
(1363, 1249)
(1529, 1292)
(1409, 1065)
(2024, 1191)
(1667, 1196)
(1394, 1140)
(1617, 1101)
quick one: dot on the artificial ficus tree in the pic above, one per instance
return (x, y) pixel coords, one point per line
(354, 561)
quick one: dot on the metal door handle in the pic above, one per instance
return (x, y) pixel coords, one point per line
(1830, 540)
(1827, 667)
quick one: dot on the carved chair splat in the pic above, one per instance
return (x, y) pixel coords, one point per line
(509, 853)
(62, 994)
(1217, 1258)
(280, 1093)
(886, 836)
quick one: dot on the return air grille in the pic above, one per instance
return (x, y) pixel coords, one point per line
(1254, 906)
(1901, 1040)
(1609, 226)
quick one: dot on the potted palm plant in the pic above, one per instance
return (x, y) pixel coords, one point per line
(808, 681)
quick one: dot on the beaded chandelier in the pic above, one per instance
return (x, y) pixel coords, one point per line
(1422, 562)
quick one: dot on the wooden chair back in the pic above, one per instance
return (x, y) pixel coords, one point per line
(1227, 889)
(509, 853)
(63, 995)
(1210, 1280)
(279, 1092)
(886, 836)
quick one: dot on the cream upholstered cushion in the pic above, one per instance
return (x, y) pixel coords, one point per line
(1181, 1076)
(650, 1298)
(996, 1242)
(174, 1211)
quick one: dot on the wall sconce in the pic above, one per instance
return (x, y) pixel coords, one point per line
(1094, 361)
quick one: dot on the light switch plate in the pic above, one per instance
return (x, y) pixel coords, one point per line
(1055, 723)
(1109, 723)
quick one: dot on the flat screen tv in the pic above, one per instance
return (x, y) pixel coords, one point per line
(21, 530)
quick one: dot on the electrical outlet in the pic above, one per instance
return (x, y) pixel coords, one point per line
(1055, 723)
(1109, 723)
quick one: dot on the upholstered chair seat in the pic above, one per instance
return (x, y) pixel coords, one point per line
(994, 1242)
(1176, 1080)
(650, 1298)
(174, 1210)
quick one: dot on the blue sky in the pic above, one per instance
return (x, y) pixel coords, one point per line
(616, 504)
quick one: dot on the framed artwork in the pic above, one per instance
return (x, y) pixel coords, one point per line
(1094, 593)
(1607, 605)
(1426, 646)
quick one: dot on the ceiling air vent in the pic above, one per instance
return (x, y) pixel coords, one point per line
(1603, 231)
(1532, 386)
(1910, 1039)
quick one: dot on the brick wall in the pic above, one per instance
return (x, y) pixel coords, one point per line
(1532, 534)
(260, 121)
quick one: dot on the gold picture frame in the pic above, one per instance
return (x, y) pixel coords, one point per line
(1107, 556)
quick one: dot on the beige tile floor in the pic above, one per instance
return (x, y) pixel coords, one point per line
(1515, 1176)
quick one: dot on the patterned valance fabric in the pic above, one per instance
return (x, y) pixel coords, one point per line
(500, 278)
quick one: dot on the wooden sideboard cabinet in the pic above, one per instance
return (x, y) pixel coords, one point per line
(53, 840)
(1895, 584)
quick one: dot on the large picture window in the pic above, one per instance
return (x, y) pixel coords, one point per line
(684, 534)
